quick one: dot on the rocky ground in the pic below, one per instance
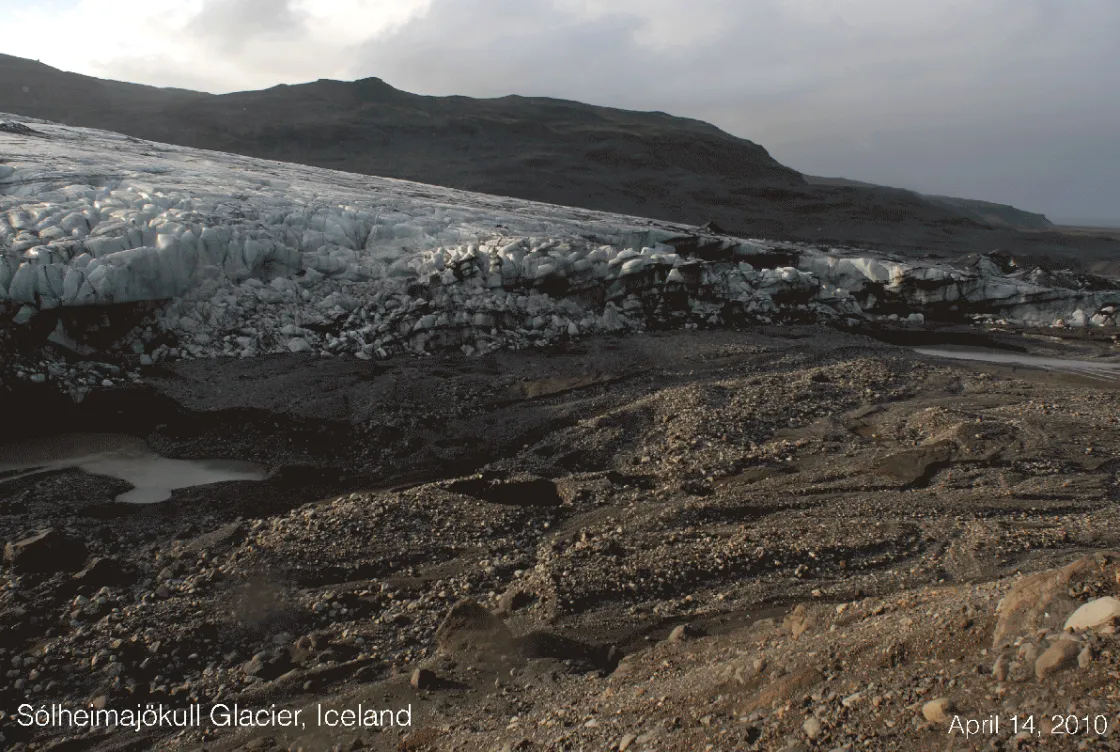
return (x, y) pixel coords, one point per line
(781, 538)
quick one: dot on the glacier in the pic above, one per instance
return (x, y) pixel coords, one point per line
(239, 257)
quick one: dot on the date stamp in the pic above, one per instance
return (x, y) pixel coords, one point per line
(1057, 724)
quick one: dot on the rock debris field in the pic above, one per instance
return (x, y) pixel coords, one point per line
(651, 487)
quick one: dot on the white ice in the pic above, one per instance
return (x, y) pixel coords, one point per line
(250, 256)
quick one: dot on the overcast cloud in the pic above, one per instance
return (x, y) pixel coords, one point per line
(1006, 100)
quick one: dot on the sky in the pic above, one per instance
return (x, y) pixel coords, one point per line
(1015, 101)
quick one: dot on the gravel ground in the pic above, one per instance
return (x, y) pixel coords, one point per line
(677, 541)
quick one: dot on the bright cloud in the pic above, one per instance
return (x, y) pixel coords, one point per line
(213, 45)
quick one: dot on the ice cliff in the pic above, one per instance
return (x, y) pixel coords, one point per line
(241, 256)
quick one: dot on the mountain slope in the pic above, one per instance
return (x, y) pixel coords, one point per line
(641, 163)
(985, 212)
(510, 146)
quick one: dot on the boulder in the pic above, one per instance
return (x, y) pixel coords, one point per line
(938, 710)
(470, 628)
(1039, 601)
(46, 552)
(423, 678)
(105, 571)
(798, 621)
(916, 466)
(1094, 614)
(1060, 655)
(514, 599)
(679, 633)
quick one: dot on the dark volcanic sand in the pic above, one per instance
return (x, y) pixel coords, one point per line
(623, 487)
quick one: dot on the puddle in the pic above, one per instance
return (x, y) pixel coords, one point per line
(124, 457)
(1102, 370)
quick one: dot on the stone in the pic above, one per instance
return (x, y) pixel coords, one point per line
(45, 552)
(679, 634)
(1060, 655)
(1027, 653)
(783, 688)
(267, 667)
(422, 678)
(1000, 668)
(471, 628)
(514, 599)
(812, 727)
(105, 571)
(915, 466)
(798, 621)
(938, 710)
(1038, 601)
(254, 666)
(1094, 614)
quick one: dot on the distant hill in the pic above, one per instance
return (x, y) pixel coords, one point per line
(1100, 223)
(984, 212)
(642, 163)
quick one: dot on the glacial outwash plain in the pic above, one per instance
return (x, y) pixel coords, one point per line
(522, 476)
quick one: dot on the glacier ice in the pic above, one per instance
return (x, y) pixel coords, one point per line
(242, 257)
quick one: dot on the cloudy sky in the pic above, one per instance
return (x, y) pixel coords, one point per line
(1015, 101)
